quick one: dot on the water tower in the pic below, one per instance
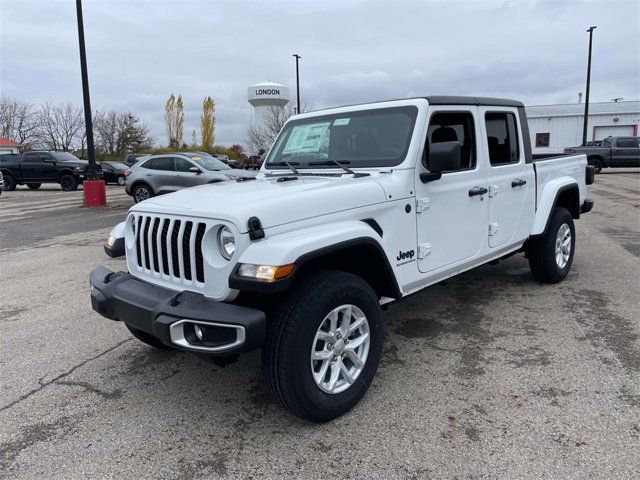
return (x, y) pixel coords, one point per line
(263, 96)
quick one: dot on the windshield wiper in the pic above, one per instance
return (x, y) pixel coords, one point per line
(341, 164)
(284, 163)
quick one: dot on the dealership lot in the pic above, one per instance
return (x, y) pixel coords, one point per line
(486, 375)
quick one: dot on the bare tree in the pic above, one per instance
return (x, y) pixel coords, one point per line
(60, 127)
(179, 120)
(262, 137)
(170, 119)
(17, 121)
(120, 132)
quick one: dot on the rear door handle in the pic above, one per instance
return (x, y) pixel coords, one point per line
(518, 183)
(477, 191)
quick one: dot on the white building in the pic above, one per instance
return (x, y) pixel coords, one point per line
(554, 127)
(263, 97)
(7, 146)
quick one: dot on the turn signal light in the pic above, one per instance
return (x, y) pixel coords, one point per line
(268, 273)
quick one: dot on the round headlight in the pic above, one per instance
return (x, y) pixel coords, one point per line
(226, 243)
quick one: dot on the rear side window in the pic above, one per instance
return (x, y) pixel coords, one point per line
(628, 142)
(502, 137)
(161, 163)
(33, 157)
(454, 127)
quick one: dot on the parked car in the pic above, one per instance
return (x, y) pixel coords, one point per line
(1, 183)
(253, 161)
(612, 152)
(170, 172)
(355, 208)
(113, 172)
(35, 168)
(132, 158)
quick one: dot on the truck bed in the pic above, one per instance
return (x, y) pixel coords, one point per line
(560, 169)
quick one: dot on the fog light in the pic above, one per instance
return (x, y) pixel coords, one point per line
(198, 331)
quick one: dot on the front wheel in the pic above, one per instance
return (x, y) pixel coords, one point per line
(596, 163)
(68, 183)
(33, 186)
(323, 345)
(551, 254)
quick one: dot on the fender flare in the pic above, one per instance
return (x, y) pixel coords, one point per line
(548, 200)
(305, 246)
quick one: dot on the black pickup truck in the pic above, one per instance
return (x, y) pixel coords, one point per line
(611, 152)
(35, 168)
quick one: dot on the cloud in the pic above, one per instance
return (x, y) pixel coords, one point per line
(141, 51)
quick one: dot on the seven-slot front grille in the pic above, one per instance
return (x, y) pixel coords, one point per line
(170, 247)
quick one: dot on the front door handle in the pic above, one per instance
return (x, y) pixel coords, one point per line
(518, 183)
(477, 191)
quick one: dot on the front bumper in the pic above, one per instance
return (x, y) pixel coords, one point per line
(586, 206)
(183, 320)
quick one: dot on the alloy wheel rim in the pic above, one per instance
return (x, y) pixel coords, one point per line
(120, 180)
(340, 349)
(563, 245)
(142, 194)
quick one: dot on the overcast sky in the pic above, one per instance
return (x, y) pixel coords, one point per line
(352, 51)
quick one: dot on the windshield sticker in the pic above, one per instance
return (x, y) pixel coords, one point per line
(341, 121)
(306, 138)
(195, 158)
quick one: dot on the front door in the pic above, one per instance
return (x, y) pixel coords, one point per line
(511, 183)
(184, 178)
(453, 212)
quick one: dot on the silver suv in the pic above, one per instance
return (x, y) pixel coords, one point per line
(165, 173)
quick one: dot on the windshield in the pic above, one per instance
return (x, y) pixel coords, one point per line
(64, 156)
(208, 163)
(369, 138)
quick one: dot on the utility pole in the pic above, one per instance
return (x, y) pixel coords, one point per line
(93, 189)
(586, 97)
(298, 57)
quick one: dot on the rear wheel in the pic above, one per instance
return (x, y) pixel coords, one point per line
(144, 337)
(596, 163)
(142, 192)
(68, 183)
(551, 254)
(323, 345)
(121, 180)
(9, 183)
(34, 186)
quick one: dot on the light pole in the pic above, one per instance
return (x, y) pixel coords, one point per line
(93, 189)
(298, 57)
(586, 97)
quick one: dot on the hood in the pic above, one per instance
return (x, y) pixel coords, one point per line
(273, 202)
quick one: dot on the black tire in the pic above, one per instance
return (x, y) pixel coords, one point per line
(146, 338)
(33, 186)
(141, 192)
(9, 183)
(68, 183)
(120, 181)
(596, 163)
(290, 339)
(542, 249)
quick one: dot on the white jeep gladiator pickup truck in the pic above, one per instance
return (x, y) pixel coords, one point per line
(354, 207)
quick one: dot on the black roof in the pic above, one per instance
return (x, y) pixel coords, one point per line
(480, 101)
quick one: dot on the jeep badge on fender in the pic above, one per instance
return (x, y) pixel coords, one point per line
(330, 202)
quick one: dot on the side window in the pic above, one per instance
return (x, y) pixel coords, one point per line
(161, 163)
(502, 137)
(627, 142)
(454, 127)
(33, 157)
(181, 165)
(543, 139)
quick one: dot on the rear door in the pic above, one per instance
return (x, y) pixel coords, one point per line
(38, 167)
(626, 152)
(452, 212)
(511, 181)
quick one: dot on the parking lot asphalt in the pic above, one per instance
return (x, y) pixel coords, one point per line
(487, 375)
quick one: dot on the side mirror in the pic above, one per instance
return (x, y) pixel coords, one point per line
(443, 157)
(195, 170)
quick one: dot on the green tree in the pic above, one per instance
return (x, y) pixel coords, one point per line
(208, 123)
